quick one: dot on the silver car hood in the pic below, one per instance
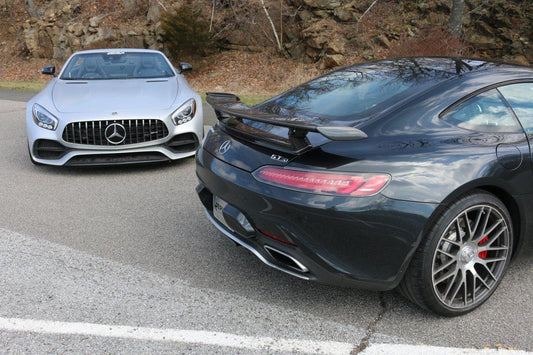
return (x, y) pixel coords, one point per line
(102, 95)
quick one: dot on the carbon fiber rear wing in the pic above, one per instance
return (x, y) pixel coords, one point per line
(229, 106)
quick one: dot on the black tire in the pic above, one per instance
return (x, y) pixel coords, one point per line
(454, 273)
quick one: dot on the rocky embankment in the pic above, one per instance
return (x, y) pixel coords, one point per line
(321, 31)
(61, 30)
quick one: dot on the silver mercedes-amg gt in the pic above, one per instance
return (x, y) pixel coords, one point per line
(114, 106)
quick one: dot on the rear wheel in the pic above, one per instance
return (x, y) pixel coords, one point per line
(463, 258)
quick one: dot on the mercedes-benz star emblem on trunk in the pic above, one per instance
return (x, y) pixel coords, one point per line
(224, 147)
(115, 133)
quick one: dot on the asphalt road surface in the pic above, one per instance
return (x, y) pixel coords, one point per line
(123, 260)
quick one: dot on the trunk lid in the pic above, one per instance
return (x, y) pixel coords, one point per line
(242, 153)
(248, 138)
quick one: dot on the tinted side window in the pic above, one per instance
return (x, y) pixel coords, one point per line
(486, 112)
(520, 97)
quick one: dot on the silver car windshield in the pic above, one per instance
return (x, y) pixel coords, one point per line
(116, 65)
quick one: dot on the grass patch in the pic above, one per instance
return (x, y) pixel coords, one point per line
(250, 100)
(22, 85)
(36, 86)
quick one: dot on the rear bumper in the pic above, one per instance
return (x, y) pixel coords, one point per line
(254, 249)
(361, 242)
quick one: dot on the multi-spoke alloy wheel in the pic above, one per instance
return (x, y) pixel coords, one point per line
(464, 257)
(470, 257)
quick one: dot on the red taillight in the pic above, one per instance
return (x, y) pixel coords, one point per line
(326, 183)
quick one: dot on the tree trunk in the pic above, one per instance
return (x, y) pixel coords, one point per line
(456, 17)
(212, 16)
(31, 8)
(367, 10)
(272, 24)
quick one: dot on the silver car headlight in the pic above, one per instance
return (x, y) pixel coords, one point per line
(43, 118)
(184, 113)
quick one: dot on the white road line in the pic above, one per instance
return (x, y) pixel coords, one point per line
(402, 349)
(176, 335)
(231, 340)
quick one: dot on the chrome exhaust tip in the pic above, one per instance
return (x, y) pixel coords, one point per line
(286, 259)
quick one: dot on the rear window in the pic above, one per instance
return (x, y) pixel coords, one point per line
(116, 65)
(356, 92)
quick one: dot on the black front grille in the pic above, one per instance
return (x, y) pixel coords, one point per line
(94, 132)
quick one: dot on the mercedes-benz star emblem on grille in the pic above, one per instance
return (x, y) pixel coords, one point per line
(224, 147)
(115, 133)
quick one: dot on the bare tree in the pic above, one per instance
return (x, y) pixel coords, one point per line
(456, 17)
(281, 22)
(272, 24)
(212, 17)
(367, 10)
(160, 4)
(32, 9)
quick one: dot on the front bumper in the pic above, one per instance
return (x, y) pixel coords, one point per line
(53, 152)
(349, 241)
(49, 147)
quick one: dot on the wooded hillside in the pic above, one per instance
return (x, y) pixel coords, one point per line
(320, 33)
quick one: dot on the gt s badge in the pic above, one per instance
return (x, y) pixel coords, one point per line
(279, 158)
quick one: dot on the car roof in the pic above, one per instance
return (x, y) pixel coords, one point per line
(426, 74)
(125, 50)
(463, 77)
(115, 50)
(436, 66)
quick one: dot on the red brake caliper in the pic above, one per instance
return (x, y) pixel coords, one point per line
(483, 254)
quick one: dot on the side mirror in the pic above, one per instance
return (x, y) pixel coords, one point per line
(185, 67)
(51, 70)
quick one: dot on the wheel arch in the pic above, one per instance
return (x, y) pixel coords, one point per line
(516, 211)
(418, 283)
